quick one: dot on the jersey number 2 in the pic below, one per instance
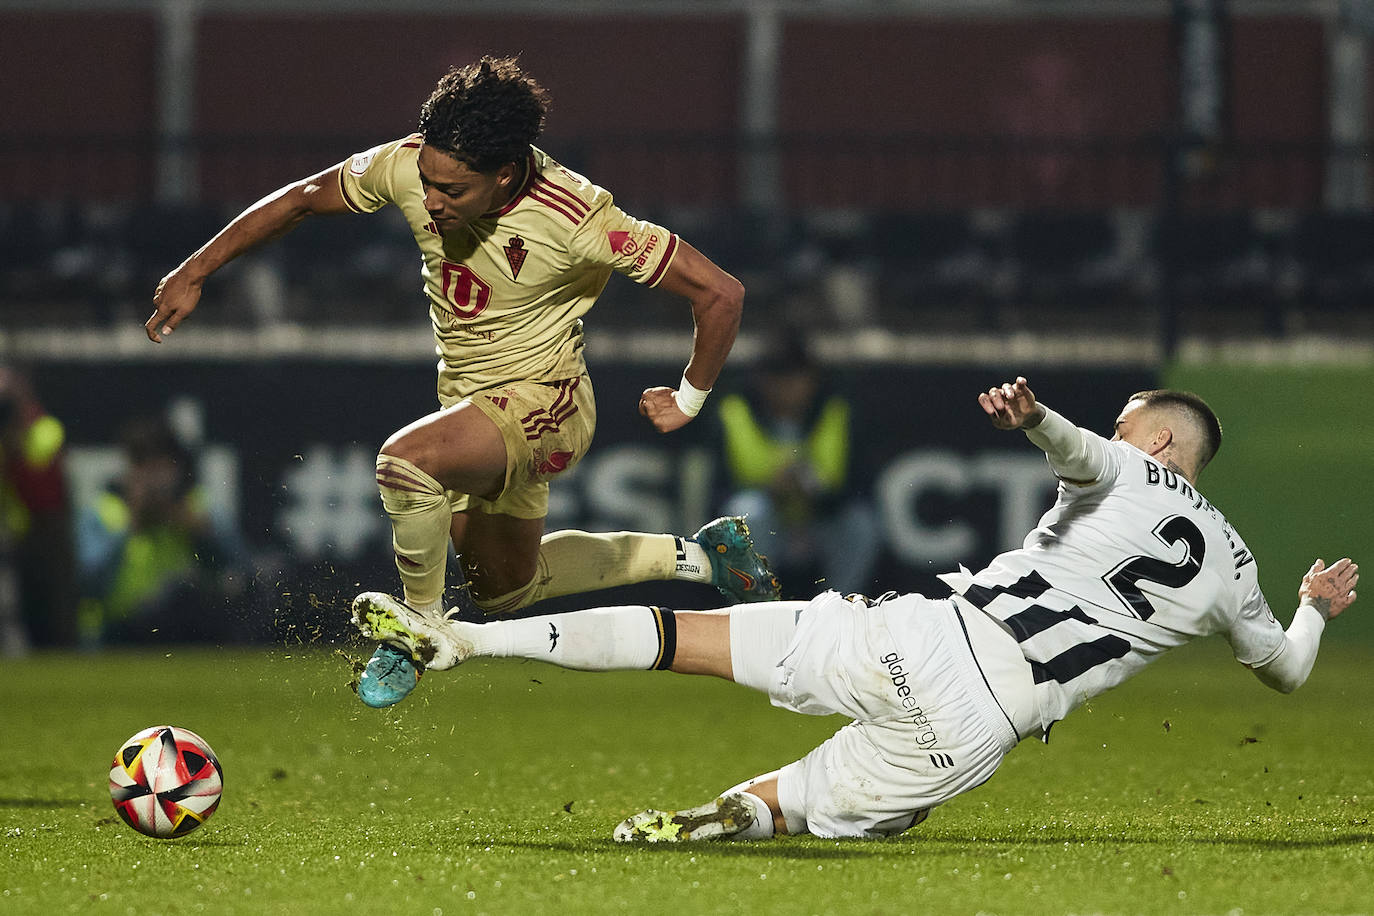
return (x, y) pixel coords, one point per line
(1126, 578)
(466, 292)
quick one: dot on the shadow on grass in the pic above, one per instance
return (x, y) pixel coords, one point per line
(780, 849)
(43, 802)
(1069, 839)
(793, 848)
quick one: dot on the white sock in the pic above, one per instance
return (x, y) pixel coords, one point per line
(602, 639)
(693, 563)
(762, 828)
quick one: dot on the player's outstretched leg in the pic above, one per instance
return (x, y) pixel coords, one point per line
(737, 569)
(727, 816)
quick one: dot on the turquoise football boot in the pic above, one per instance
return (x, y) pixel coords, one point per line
(389, 677)
(737, 569)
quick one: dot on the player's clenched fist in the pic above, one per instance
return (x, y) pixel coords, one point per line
(661, 408)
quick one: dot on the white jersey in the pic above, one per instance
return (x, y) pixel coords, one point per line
(1116, 573)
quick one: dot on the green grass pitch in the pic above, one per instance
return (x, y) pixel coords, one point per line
(1192, 789)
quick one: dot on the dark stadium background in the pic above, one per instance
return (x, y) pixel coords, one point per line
(1103, 196)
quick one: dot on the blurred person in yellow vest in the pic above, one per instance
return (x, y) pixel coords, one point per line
(157, 564)
(37, 601)
(787, 450)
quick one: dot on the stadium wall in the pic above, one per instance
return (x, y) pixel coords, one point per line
(287, 448)
(890, 112)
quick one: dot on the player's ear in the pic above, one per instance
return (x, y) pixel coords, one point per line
(1163, 438)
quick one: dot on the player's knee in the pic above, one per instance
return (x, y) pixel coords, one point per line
(406, 447)
(406, 488)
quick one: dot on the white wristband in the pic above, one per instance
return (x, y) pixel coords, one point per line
(689, 398)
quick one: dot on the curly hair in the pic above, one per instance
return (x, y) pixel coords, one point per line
(485, 114)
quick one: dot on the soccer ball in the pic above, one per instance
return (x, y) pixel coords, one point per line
(165, 781)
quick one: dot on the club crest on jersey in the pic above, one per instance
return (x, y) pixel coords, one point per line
(515, 255)
(621, 242)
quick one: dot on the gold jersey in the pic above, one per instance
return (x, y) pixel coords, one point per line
(507, 293)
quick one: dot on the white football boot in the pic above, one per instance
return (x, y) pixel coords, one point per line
(723, 817)
(432, 644)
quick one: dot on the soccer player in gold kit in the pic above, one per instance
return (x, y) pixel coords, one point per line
(516, 249)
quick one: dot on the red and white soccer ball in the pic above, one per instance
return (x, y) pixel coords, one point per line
(165, 781)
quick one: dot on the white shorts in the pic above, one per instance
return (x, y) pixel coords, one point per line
(926, 725)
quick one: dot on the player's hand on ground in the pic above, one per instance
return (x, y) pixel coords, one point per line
(659, 406)
(175, 298)
(1011, 405)
(1330, 589)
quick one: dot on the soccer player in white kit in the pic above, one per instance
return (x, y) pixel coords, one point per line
(1130, 561)
(516, 249)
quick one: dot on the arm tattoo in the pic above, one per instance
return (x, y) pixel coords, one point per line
(1322, 604)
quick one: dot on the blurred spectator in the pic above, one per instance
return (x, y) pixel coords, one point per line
(786, 446)
(37, 598)
(156, 562)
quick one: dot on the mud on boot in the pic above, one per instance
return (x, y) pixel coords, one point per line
(723, 817)
(429, 643)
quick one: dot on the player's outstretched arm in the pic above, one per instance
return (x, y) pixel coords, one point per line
(1076, 455)
(1325, 592)
(179, 292)
(717, 301)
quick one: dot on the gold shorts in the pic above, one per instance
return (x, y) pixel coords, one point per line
(547, 428)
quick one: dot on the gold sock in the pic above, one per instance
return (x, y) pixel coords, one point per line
(572, 562)
(420, 517)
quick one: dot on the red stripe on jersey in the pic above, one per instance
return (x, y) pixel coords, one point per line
(565, 390)
(537, 193)
(524, 189)
(538, 421)
(535, 426)
(548, 424)
(664, 261)
(560, 193)
(563, 406)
